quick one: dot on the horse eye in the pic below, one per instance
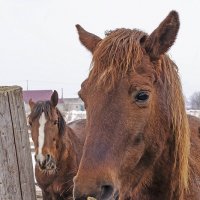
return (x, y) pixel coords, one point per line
(142, 96)
(30, 123)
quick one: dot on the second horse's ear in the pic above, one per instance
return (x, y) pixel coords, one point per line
(31, 104)
(54, 98)
(163, 37)
(88, 40)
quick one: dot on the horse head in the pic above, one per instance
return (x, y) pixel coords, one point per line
(47, 127)
(130, 118)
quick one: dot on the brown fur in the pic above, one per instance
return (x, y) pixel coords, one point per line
(63, 144)
(141, 150)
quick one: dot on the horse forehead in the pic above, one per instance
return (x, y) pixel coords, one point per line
(42, 125)
(145, 67)
(142, 79)
(42, 119)
(41, 136)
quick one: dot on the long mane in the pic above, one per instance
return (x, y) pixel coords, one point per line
(46, 107)
(118, 54)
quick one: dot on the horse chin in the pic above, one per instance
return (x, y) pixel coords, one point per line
(50, 169)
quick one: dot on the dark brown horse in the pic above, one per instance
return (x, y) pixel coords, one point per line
(57, 149)
(139, 144)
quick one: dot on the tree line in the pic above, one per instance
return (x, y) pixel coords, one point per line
(195, 101)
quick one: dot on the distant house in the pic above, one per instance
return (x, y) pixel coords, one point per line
(37, 95)
(65, 104)
(73, 104)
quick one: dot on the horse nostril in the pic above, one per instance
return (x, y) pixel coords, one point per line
(106, 191)
(48, 157)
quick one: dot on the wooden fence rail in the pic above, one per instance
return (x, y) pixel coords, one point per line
(16, 171)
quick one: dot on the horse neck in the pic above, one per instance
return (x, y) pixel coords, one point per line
(76, 144)
(68, 152)
(163, 186)
(159, 178)
(163, 183)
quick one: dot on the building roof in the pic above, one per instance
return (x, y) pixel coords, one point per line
(38, 95)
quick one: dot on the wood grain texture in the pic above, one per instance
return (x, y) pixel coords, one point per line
(16, 171)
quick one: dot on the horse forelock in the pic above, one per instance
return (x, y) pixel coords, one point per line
(118, 54)
(39, 108)
(46, 108)
(115, 56)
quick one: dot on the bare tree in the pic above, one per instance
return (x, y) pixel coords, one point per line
(195, 101)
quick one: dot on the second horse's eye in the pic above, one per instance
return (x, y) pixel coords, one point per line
(142, 96)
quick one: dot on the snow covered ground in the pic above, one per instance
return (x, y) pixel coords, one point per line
(195, 113)
(74, 115)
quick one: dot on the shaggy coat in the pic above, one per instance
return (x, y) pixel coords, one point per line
(140, 144)
(62, 144)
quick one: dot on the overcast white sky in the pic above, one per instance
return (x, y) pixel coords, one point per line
(39, 43)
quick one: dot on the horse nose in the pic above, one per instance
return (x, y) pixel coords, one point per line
(104, 192)
(48, 158)
(43, 161)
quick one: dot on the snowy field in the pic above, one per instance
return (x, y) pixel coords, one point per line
(195, 113)
(74, 115)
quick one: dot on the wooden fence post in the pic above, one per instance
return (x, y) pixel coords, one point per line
(16, 171)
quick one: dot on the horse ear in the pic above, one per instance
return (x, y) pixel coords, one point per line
(163, 37)
(89, 40)
(54, 98)
(31, 103)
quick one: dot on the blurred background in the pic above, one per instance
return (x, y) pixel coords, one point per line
(40, 50)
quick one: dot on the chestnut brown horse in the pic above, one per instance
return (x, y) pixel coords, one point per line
(139, 144)
(57, 148)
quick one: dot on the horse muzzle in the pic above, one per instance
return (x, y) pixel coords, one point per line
(106, 192)
(45, 162)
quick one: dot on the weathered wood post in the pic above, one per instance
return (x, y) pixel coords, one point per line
(16, 171)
